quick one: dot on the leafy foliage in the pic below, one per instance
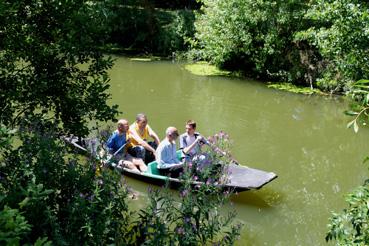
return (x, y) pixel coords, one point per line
(352, 226)
(61, 198)
(195, 219)
(340, 33)
(252, 36)
(53, 81)
(141, 27)
(13, 226)
(43, 45)
(359, 93)
(321, 43)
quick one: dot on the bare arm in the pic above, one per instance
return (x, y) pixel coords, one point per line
(187, 149)
(154, 135)
(140, 141)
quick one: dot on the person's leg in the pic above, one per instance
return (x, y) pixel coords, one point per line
(137, 151)
(128, 164)
(149, 156)
(140, 164)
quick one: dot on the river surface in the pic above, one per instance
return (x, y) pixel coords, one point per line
(301, 138)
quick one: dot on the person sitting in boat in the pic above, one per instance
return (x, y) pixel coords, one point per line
(191, 141)
(166, 156)
(117, 147)
(140, 147)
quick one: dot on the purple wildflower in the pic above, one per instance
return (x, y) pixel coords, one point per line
(194, 226)
(184, 193)
(180, 230)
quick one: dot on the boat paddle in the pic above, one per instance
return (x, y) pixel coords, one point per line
(116, 152)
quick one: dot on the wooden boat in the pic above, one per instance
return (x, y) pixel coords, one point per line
(240, 178)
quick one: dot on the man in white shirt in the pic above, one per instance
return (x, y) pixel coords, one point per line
(166, 155)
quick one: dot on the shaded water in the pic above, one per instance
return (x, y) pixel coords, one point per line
(301, 138)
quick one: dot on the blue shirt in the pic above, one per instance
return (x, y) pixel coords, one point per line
(166, 154)
(116, 141)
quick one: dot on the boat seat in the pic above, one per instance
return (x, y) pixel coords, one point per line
(152, 168)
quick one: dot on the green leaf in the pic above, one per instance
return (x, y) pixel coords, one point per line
(363, 81)
(24, 202)
(356, 127)
(350, 123)
(351, 113)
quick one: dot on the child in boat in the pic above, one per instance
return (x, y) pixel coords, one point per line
(117, 147)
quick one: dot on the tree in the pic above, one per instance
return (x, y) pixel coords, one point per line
(51, 194)
(51, 65)
(252, 36)
(53, 80)
(339, 31)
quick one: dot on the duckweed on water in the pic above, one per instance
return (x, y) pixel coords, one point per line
(205, 69)
(293, 88)
(141, 59)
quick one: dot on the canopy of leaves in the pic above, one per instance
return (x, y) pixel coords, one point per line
(340, 31)
(56, 195)
(253, 36)
(321, 43)
(50, 63)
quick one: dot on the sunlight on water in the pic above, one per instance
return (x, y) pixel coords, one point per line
(303, 139)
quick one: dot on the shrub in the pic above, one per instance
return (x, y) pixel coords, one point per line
(61, 197)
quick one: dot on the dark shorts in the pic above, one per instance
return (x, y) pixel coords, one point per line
(141, 152)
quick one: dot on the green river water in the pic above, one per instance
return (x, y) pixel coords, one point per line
(301, 138)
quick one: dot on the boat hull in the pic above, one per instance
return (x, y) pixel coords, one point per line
(240, 178)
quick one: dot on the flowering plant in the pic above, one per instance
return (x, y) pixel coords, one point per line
(194, 218)
(211, 165)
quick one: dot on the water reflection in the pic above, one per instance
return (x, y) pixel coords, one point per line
(303, 139)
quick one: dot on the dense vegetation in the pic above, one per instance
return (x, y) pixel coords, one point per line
(54, 81)
(150, 27)
(314, 43)
(320, 44)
